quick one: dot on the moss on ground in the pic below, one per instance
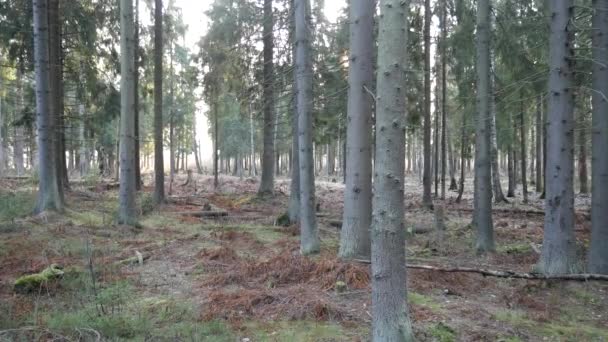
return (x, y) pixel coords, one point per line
(568, 331)
(32, 282)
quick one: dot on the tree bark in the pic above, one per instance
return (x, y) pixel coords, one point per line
(354, 236)
(598, 253)
(268, 167)
(524, 155)
(390, 316)
(309, 242)
(511, 166)
(463, 144)
(294, 194)
(483, 185)
(56, 104)
(582, 154)
(444, 84)
(48, 192)
(19, 134)
(136, 163)
(159, 164)
(2, 151)
(498, 194)
(127, 210)
(539, 145)
(558, 254)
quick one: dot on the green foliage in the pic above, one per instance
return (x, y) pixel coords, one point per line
(442, 333)
(146, 203)
(15, 205)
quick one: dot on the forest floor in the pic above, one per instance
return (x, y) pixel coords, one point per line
(241, 278)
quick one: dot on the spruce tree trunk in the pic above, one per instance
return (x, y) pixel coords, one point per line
(48, 191)
(463, 144)
(19, 134)
(498, 194)
(483, 170)
(558, 253)
(136, 165)
(598, 253)
(2, 151)
(268, 167)
(522, 133)
(390, 316)
(511, 167)
(159, 167)
(539, 145)
(582, 154)
(216, 148)
(444, 35)
(127, 210)
(427, 199)
(309, 242)
(56, 104)
(354, 236)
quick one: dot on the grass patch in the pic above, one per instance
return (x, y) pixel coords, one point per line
(301, 331)
(118, 315)
(422, 300)
(442, 333)
(17, 204)
(571, 331)
(516, 248)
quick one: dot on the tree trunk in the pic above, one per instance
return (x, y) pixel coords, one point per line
(294, 190)
(444, 35)
(83, 165)
(539, 148)
(390, 316)
(483, 186)
(511, 167)
(216, 149)
(463, 158)
(582, 153)
(127, 210)
(267, 182)
(56, 103)
(436, 142)
(558, 255)
(498, 194)
(598, 253)
(453, 183)
(136, 163)
(199, 168)
(252, 171)
(354, 236)
(309, 242)
(172, 164)
(19, 134)
(159, 164)
(48, 192)
(524, 172)
(2, 151)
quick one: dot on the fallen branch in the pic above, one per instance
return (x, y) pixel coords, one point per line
(212, 213)
(506, 274)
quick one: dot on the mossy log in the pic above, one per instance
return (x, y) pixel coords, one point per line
(32, 282)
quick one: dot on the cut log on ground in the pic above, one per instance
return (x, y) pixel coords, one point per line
(506, 274)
